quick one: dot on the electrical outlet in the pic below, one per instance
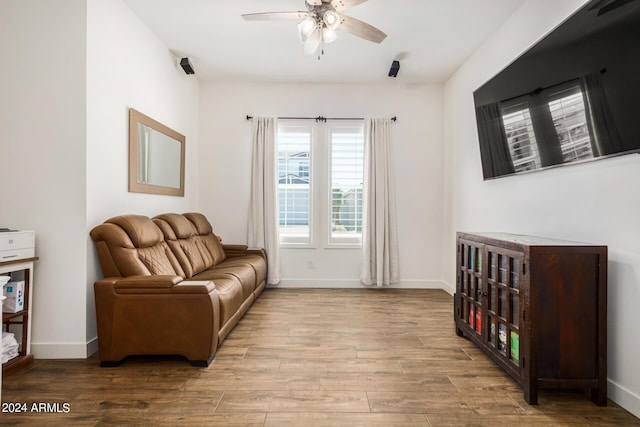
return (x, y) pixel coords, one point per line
(310, 265)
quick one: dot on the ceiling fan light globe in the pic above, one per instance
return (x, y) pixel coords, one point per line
(313, 42)
(301, 35)
(308, 26)
(329, 35)
(331, 19)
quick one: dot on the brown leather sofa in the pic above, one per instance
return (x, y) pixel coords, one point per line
(170, 287)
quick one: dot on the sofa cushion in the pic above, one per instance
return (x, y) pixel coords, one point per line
(131, 245)
(140, 229)
(207, 236)
(181, 236)
(159, 260)
(230, 295)
(243, 273)
(257, 262)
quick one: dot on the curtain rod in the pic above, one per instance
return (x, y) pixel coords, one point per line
(541, 89)
(321, 118)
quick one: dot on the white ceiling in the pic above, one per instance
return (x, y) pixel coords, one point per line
(432, 38)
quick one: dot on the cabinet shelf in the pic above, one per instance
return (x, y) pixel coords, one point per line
(20, 322)
(6, 317)
(537, 308)
(16, 364)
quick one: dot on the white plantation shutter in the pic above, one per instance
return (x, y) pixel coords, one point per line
(558, 112)
(294, 182)
(570, 121)
(521, 137)
(346, 178)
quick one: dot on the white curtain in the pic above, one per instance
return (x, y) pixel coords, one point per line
(263, 207)
(379, 238)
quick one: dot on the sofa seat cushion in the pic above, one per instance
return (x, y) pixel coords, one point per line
(243, 273)
(230, 295)
(257, 262)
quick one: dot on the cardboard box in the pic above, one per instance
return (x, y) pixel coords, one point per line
(14, 292)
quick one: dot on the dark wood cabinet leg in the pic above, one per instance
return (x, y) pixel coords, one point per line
(531, 394)
(599, 396)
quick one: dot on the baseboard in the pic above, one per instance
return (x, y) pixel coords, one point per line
(356, 284)
(624, 397)
(64, 350)
(448, 288)
(92, 346)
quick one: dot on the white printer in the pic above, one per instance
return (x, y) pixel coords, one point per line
(15, 245)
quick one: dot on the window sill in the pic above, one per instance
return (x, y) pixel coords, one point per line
(344, 246)
(297, 246)
(329, 247)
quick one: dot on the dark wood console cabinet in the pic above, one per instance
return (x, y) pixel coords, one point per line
(537, 307)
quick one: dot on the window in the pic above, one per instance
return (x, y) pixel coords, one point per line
(320, 182)
(559, 114)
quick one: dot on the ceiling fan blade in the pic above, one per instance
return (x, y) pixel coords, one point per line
(361, 29)
(340, 5)
(313, 42)
(275, 16)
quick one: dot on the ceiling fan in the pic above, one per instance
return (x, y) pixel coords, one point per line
(320, 22)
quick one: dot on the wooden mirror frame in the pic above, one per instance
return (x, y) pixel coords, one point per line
(136, 118)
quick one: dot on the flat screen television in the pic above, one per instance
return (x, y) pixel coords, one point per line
(573, 97)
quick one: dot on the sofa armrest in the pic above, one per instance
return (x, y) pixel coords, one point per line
(156, 285)
(147, 282)
(181, 319)
(235, 248)
(241, 250)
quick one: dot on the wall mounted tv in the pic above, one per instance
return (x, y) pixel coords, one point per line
(573, 97)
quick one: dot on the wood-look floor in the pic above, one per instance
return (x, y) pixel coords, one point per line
(320, 357)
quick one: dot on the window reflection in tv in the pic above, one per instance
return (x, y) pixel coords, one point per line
(573, 97)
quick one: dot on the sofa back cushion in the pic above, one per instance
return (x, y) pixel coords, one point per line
(206, 237)
(191, 249)
(129, 245)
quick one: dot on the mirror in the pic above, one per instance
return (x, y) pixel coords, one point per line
(156, 157)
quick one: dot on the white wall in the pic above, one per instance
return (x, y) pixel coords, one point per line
(225, 159)
(597, 202)
(128, 66)
(42, 158)
(70, 70)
